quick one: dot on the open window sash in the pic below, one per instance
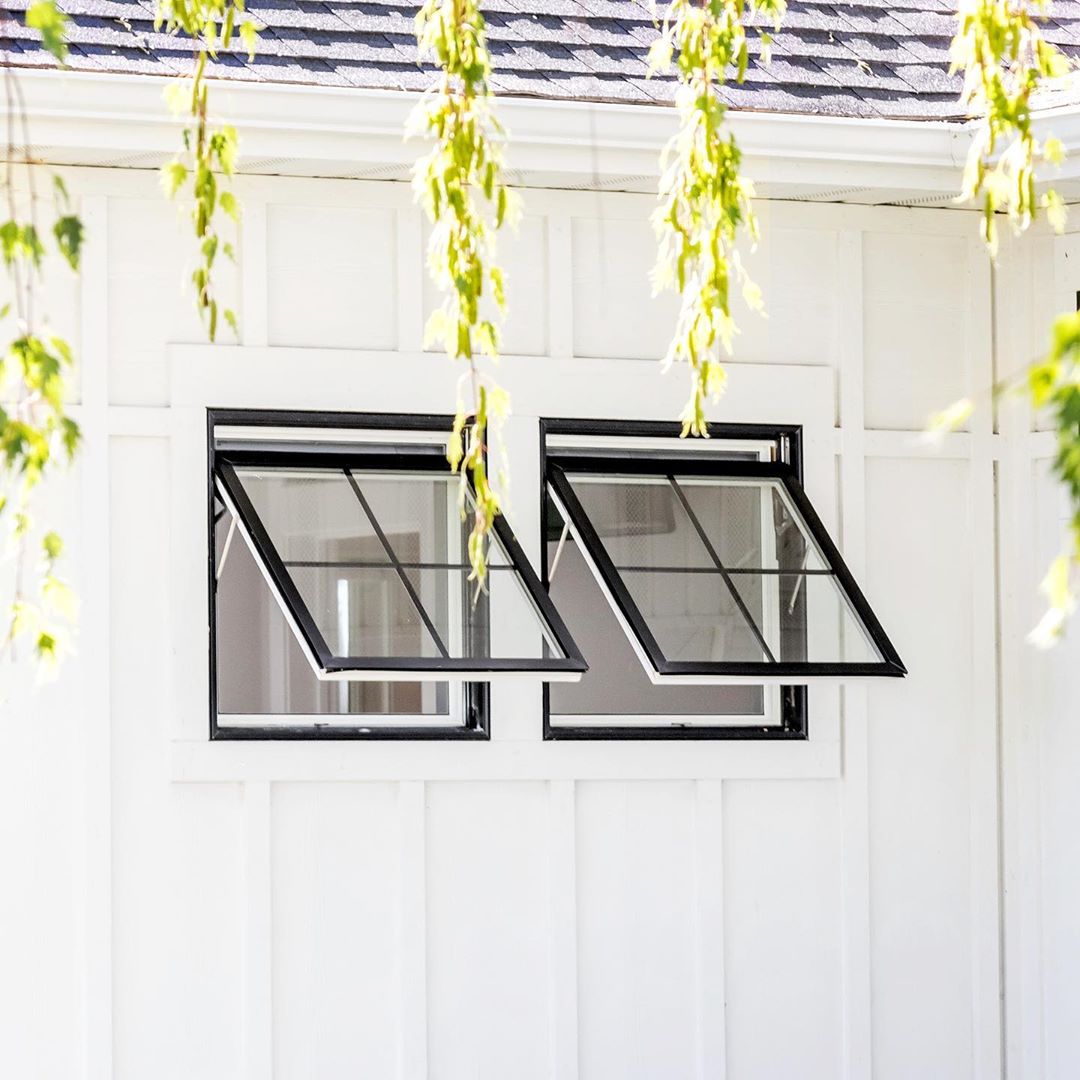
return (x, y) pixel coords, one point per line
(719, 571)
(364, 550)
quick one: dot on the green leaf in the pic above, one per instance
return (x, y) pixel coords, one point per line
(45, 17)
(32, 245)
(71, 435)
(68, 231)
(230, 205)
(249, 37)
(46, 646)
(173, 176)
(61, 190)
(53, 546)
(59, 597)
(10, 241)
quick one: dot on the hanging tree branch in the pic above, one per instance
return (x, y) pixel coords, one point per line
(1005, 61)
(704, 200)
(36, 432)
(460, 185)
(209, 154)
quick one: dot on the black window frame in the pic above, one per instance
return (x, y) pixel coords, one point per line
(476, 695)
(786, 440)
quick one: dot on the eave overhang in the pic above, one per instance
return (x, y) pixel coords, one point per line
(115, 120)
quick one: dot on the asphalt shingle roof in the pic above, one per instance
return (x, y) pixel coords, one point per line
(860, 59)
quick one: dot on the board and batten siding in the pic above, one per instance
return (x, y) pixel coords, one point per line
(900, 905)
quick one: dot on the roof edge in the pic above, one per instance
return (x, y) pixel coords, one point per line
(99, 118)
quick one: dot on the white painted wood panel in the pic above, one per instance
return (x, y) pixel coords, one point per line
(41, 939)
(487, 948)
(921, 738)
(915, 309)
(515, 908)
(615, 313)
(1056, 677)
(336, 883)
(330, 276)
(177, 858)
(797, 272)
(151, 253)
(637, 990)
(782, 929)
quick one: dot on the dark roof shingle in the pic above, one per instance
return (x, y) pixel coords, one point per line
(865, 58)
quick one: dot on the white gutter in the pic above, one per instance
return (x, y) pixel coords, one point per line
(107, 119)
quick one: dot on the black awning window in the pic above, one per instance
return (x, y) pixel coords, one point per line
(719, 570)
(365, 551)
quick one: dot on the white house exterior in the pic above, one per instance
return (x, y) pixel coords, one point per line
(892, 897)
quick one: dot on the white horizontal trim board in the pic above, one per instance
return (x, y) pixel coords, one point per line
(199, 761)
(238, 377)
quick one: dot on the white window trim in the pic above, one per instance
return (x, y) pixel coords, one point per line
(313, 379)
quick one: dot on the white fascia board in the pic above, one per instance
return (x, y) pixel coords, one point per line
(94, 119)
(1064, 124)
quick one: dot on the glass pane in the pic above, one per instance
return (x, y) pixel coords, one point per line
(752, 524)
(262, 671)
(498, 622)
(640, 521)
(379, 561)
(365, 611)
(414, 511)
(369, 612)
(616, 684)
(783, 602)
(312, 515)
(806, 618)
(695, 617)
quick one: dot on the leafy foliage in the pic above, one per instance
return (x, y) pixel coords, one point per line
(1053, 386)
(45, 17)
(460, 185)
(1005, 59)
(36, 432)
(704, 198)
(210, 151)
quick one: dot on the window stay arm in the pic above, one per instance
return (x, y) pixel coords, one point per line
(225, 549)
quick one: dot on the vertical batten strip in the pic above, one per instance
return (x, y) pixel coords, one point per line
(258, 941)
(985, 721)
(562, 968)
(711, 1020)
(855, 787)
(254, 323)
(412, 931)
(411, 275)
(560, 279)
(95, 726)
(1021, 831)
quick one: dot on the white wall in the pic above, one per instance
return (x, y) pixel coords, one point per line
(841, 909)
